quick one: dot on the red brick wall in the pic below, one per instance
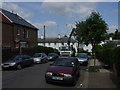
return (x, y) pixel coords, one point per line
(32, 35)
(9, 33)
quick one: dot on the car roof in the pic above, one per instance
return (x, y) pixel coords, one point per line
(82, 53)
(67, 58)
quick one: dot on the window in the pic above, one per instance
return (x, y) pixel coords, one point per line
(18, 31)
(24, 33)
(24, 44)
(27, 34)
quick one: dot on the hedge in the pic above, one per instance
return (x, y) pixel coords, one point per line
(47, 50)
(9, 52)
(109, 56)
(117, 59)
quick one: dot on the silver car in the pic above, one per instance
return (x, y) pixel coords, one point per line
(40, 58)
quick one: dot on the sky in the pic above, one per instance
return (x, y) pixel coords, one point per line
(61, 17)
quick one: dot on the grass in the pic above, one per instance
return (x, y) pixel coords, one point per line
(92, 70)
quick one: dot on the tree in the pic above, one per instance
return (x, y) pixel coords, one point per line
(116, 35)
(92, 30)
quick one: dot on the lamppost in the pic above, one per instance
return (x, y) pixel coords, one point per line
(59, 37)
(44, 35)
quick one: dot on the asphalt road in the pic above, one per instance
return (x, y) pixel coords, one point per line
(33, 77)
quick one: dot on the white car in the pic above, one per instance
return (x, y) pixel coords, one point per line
(40, 58)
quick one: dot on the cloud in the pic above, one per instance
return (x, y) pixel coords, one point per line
(48, 24)
(112, 29)
(71, 25)
(69, 8)
(17, 9)
(81, 0)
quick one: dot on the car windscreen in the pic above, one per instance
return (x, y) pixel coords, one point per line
(82, 55)
(51, 54)
(65, 49)
(37, 55)
(15, 58)
(64, 62)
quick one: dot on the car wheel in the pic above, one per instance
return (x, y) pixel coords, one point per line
(74, 81)
(19, 67)
(47, 81)
(78, 74)
(46, 61)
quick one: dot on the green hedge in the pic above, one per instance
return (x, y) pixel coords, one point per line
(109, 55)
(117, 59)
(47, 50)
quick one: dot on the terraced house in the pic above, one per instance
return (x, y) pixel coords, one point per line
(17, 32)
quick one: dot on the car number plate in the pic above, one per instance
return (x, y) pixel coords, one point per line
(5, 66)
(57, 78)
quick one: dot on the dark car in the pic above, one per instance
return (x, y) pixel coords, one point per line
(18, 62)
(63, 70)
(83, 58)
(52, 56)
(40, 58)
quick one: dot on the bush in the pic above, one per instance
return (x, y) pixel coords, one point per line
(117, 59)
(109, 55)
(47, 50)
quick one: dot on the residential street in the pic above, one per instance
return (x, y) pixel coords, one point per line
(33, 77)
(102, 79)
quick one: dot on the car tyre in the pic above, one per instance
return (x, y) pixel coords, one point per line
(19, 67)
(74, 81)
(47, 81)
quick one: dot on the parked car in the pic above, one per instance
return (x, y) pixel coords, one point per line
(83, 58)
(40, 58)
(52, 56)
(63, 70)
(18, 62)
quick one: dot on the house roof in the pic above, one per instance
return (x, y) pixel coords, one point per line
(114, 41)
(17, 19)
(55, 40)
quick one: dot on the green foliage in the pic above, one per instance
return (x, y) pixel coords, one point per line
(117, 59)
(92, 70)
(42, 49)
(109, 45)
(109, 55)
(115, 35)
(92, 30)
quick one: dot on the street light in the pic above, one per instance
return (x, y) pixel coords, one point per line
(44, 35)
(59, 37)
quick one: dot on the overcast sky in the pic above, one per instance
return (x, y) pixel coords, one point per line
(61, 17)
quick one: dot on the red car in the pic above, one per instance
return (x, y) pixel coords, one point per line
(63, 70)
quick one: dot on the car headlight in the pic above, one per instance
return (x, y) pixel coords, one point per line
(49, 73)
(12, 64)
(50, 57)
(36, 59)
(67, 75)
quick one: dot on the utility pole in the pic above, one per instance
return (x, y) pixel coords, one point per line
(44, 35)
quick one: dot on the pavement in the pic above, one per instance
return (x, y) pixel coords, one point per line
(102, 79)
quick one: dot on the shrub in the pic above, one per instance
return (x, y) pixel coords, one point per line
(47, 50)
(109, 55)
(117, 59)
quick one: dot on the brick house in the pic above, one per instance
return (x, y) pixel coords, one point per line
(16, 31)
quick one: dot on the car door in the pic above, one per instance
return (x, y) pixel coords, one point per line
(28, 60)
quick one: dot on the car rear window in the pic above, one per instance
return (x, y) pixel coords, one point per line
(64, 62)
